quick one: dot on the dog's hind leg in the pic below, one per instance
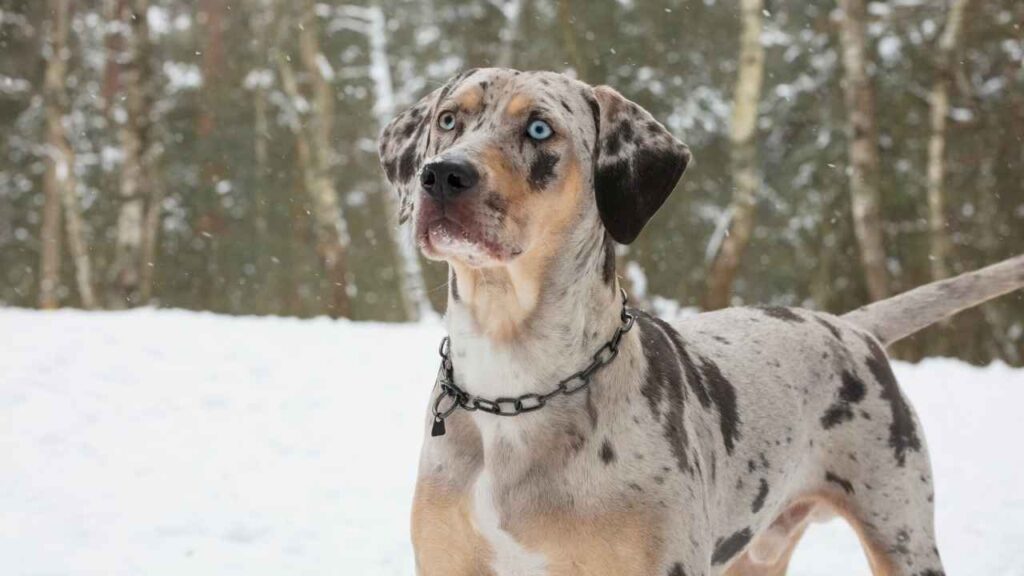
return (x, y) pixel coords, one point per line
(892, 513)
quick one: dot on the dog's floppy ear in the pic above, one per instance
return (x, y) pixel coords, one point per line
(637, 163)
(405, 141)
(402, 147)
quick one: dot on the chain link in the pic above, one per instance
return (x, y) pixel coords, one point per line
(513, 406)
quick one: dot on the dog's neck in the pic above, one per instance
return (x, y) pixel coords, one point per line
(524, 327)
(511, 335)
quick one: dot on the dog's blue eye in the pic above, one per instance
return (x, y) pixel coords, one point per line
(446, 121)
(539, 130)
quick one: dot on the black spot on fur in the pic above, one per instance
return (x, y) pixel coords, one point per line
(723, 394)
(630, 189)
(409, 129)
(626, 129)
(693, 377)
(613, 176)
(664, 383)
(851, 391)
(460, 127)
(781, 313)
(839, 481)
(608, 270)
(595, 112)
(762, 493)
(677, 570)
(828, 326)
(902, 432)
(726, 549)
(407, 164)
(709, 385)
(390, 169)
(542, 170)
(607, 453)
(454, 283)
(566, 106)
(613, 141)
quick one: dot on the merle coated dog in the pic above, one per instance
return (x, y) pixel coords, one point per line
(695, 448)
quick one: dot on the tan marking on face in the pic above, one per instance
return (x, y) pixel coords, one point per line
(620, 544)
(469, 98)
(518, 104)
(502, 298)
(445, 541)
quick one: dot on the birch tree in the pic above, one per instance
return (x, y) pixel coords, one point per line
(60, 182)
(259, 81)
(859, 97)
(939, 241)
(130, 274)
(510, 32)
(371, 21)
(313, 123)
(743, 156)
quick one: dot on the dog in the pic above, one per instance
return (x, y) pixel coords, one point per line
(697, 448)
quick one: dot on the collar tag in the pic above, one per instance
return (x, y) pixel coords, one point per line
(438, 428)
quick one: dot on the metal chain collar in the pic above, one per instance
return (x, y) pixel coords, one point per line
(513, 406)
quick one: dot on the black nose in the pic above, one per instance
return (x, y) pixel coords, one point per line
(446, 179)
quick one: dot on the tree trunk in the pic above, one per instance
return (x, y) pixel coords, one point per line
(150, 238)
(997, 314)
(571, 46)
(316, 158)
(412, 287)
(863, 135)
(138, 218)
(508, 36)
(940, 245)
(50, 235)
(262, 17)
(746, 180)
(261, 122)
(60, 180)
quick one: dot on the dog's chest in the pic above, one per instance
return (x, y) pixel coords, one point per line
(469, 534)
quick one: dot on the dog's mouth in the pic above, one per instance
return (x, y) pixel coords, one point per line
(443, 236)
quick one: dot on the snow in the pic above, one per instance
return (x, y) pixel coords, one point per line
(170, 442)
(182, 76)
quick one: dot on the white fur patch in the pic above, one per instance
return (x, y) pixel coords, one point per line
(510, 559)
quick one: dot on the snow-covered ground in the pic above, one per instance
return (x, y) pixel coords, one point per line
(170, 443)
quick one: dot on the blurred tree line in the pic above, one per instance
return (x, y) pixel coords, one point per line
(220, 155)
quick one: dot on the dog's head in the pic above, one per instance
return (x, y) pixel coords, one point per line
(498, 163)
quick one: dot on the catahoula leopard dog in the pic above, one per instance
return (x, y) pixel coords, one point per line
(694, 448)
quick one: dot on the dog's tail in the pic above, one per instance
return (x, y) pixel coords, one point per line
(896, 318)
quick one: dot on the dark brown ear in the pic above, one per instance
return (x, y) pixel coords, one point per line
(405, 141)
(637, 163)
